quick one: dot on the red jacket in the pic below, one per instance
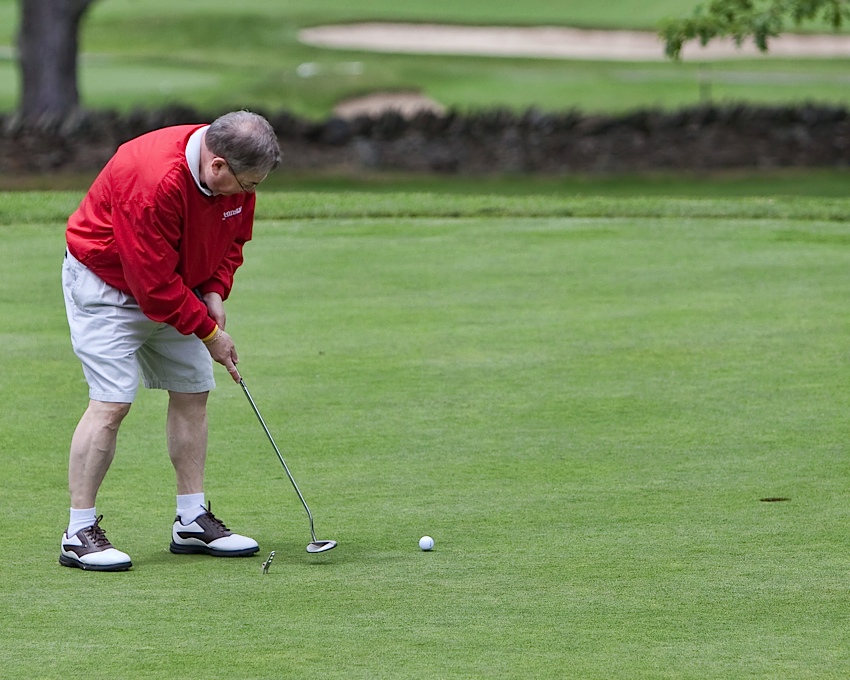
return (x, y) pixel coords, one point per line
(146, 228)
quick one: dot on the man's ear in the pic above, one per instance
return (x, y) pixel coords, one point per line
(218, 164)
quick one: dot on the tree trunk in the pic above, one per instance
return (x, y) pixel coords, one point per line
(48, 45)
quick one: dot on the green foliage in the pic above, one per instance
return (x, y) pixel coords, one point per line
(741, 19)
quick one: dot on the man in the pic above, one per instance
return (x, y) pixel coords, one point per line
(151, 255)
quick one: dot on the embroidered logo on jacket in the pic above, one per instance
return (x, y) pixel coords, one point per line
(232, 213)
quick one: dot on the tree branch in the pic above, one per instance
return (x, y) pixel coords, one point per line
(760, 20)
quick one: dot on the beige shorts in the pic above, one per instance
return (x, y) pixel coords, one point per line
(117, 343)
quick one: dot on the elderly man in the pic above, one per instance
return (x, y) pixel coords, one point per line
(151, 255)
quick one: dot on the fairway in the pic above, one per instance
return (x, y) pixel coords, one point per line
(584, 401)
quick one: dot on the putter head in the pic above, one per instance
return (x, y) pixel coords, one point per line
(321, 546)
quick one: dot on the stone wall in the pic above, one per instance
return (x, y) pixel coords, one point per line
(482, 143)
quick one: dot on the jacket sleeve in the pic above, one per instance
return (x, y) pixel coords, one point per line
(147, 235)
(221, 281)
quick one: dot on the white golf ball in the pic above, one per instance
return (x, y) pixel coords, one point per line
(426, 543)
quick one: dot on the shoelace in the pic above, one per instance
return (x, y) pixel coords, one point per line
(96, 535)
(215, 519)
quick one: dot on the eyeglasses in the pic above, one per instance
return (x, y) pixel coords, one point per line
(247, 188)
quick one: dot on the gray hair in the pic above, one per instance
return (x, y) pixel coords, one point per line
(246, 141)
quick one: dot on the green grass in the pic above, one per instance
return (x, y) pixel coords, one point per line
(798, 182)
(582, 400)
(153, 53)
(788, 183)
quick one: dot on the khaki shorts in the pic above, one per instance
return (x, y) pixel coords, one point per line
(117, 343)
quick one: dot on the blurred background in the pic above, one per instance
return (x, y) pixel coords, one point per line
(216, 56)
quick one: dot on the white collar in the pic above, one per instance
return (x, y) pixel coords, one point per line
(193, 157)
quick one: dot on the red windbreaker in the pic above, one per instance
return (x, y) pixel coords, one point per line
(146, 228)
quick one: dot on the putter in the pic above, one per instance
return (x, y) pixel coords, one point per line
(316, 546)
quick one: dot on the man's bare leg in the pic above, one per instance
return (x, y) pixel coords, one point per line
(196, 530)
(84, 544)
(187, 439)
(92, 450)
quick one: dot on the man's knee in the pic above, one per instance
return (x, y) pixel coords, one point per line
(108, 414)
(188, 400)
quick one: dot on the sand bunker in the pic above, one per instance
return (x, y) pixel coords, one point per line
(553, 43)
(406, 104)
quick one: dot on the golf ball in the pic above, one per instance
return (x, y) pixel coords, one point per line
(426, 543)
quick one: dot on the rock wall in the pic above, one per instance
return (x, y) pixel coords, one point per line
(481, 143)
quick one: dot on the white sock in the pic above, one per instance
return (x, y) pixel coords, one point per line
(190, 506)
(80, 519)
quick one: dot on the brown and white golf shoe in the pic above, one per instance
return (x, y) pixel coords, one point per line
(207, 535)
(90, 549)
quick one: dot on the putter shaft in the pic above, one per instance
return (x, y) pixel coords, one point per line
(280, 457)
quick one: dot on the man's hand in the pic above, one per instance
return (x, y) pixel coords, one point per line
(220, 346)
(222, 350)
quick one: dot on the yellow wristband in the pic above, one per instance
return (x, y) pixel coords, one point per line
(211, 336)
